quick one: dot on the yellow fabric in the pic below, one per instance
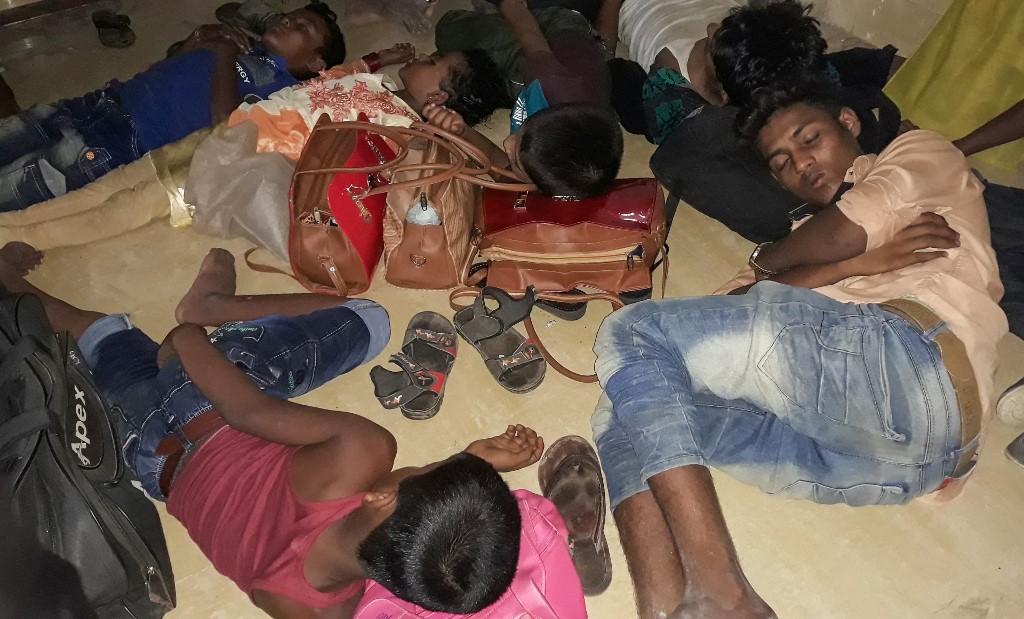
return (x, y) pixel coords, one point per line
(969, 69)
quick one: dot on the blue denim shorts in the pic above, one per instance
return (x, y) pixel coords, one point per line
(284, 356)
(51, 149)
(782, 388)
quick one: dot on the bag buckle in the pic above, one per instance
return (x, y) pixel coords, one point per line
(521, 200)
(633, 255)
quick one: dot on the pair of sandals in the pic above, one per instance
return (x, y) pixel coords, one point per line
(430, 345)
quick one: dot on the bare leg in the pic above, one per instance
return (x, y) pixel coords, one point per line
(211, 301)
(651, 556)
(716, 585)
(17, 260)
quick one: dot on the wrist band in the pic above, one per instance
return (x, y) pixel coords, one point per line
(752, 261)
(372, 60)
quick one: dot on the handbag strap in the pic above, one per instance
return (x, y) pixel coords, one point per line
(616, 303)
(339, 289)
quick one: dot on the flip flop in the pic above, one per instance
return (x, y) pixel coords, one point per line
(428, 353)
(570, 477)
(113, 29)
(514, 361)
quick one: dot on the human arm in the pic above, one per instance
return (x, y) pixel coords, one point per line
(524, 26)
(452, 121)
(607, 24)
(906, 248)
(398, 53)
(829, 236)
(517, 447)
(1006, 127)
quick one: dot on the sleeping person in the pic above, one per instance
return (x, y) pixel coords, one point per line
(51, 149)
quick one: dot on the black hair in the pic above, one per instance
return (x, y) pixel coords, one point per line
(766, 102)
(333, 50)
(476, 88)
(572, 150)
(759, 46)
(452, 544)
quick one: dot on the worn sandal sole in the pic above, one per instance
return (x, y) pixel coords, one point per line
(426, 334)
(570, 477)
(505, 354)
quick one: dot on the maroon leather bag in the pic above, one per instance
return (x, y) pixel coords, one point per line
(603, 246)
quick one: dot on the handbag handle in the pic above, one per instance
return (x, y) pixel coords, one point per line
(459, 149)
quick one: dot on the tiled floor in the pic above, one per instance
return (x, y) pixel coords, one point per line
(962, 560)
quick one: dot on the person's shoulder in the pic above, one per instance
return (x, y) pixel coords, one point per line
(921, 144)
(919, 160)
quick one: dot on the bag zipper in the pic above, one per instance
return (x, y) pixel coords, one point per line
(628, 253)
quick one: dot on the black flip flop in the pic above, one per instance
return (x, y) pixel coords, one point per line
(113, 29)
(428, 353)
(514, 361)
(560, 309)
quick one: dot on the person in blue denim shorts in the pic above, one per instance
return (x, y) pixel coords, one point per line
(298, 505)
(857, 369)
(54, 148)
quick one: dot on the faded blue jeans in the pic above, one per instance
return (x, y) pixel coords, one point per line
(782, 388)
(49, 150)
(284, 356)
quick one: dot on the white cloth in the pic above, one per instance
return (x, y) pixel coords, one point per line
(648, 26)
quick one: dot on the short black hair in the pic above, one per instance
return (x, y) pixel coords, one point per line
(760, 46)
(452, 544)
(475, 89)
(765, 102)
(572, 150)
(333, 50)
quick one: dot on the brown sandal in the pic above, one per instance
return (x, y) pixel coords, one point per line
(570, 477)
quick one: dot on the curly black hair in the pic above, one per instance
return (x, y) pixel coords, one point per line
(760, 46)
(475, 89)
(765, 102)
(333, 50)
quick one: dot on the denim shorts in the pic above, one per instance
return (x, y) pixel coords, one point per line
(782, 388)
(51, 149)
(284, 356)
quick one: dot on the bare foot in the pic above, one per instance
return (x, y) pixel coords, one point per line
(750, 606)
(215, 280)
(18, 259)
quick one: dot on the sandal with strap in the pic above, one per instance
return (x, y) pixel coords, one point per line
(514, 361)
(428, 353)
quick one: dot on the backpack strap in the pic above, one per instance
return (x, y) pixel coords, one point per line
(25, 424)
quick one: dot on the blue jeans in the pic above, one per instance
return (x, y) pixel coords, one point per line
(284, 356)
(782, 388)
(51, 149)
(1006, 220)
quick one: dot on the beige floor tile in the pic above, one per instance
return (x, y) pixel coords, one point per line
(956, 561)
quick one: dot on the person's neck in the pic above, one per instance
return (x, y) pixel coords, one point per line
(333, 560)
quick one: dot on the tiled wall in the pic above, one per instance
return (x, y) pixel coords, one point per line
(904, 23)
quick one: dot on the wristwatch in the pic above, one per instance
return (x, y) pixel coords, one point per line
(761, 272)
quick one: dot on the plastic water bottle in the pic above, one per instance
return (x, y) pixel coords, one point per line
(423, 213)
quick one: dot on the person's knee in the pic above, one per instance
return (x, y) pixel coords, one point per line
(377, 322)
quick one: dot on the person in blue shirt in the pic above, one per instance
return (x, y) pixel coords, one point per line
(54, 148)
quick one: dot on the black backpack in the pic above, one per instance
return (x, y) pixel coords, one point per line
(64, 485)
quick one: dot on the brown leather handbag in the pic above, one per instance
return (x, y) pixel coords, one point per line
(602, 246)
(340, 223)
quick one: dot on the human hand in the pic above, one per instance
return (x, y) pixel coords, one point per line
(440, 116)
(930, 230)
(399, 53)
(214, 35)
(518, 447)
(905, 126)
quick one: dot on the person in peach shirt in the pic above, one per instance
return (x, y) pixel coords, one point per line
(857, 369)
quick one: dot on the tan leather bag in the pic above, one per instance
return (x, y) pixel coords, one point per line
(437, 256)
